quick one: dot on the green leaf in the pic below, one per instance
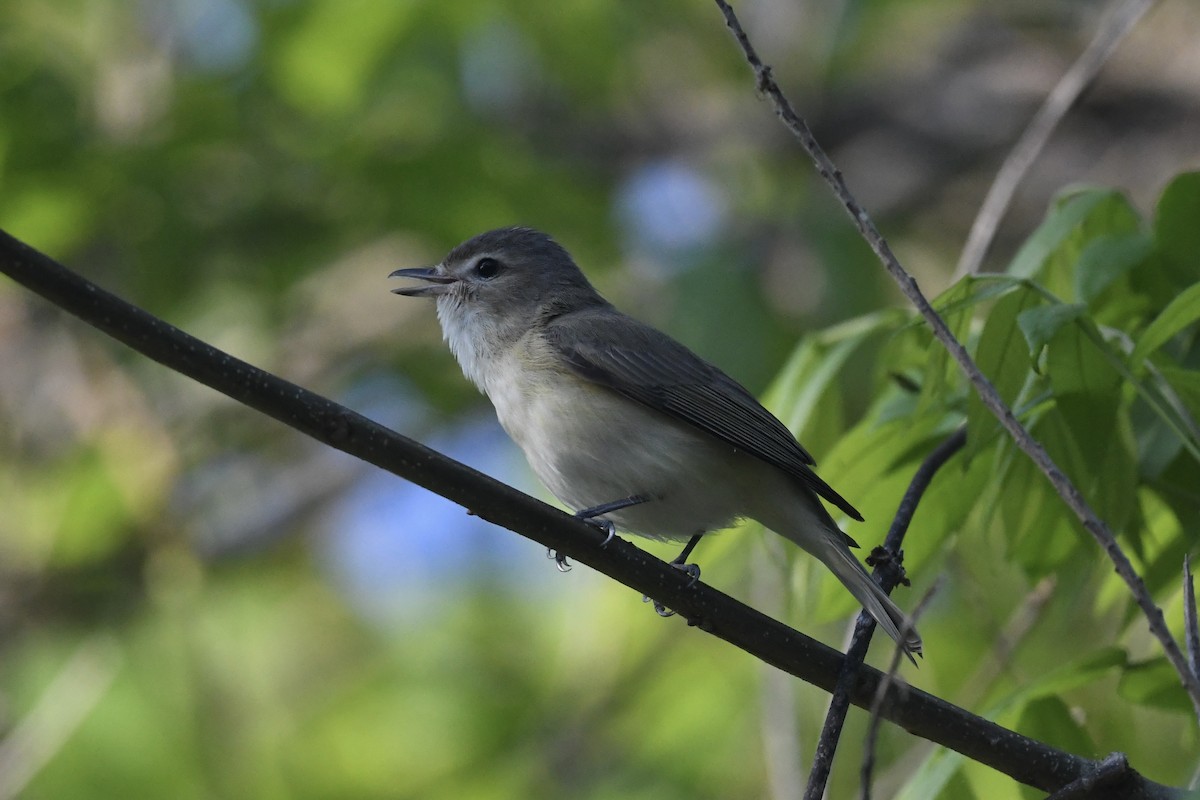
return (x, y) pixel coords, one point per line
(1074, 675)
(1077, 365)
(1177, 227)
(1049, 720)
(972, 290)
(1052, 253)
(1181, 312)
(1114, 217)
(1106, 259)
(937, 770)
(1061, 221)
(1158, 444)
(1154, 683)
(934, 775)
(1099, 457)
(941, 378)
(1161, 572)
(951, 497)
(813, 369)
(1041, 324)
(1154, 391)
(1186, 385)
(1003, 357)
(1179, 486)
(1036, 525)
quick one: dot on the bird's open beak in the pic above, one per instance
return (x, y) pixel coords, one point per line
(436, 282)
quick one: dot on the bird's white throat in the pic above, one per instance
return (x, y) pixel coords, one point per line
(474, 337)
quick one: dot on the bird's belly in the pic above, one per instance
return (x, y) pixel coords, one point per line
(591, 446)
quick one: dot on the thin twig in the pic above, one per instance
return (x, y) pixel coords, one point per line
(64, 705)
(887, 574)
(881, 695)
(1115, 27)
(1191, 628)
(987, 392)
(922, 714)
(1018, 625)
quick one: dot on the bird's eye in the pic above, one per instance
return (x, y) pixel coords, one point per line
(487, 268)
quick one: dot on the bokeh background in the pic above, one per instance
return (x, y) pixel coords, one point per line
(196, 602)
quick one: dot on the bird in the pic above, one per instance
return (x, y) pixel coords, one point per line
(624, 424)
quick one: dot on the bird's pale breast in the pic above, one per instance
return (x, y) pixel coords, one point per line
(590, 446)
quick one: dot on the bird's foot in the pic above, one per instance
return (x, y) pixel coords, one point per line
(691, 570)
(886, 561)
(589, 515)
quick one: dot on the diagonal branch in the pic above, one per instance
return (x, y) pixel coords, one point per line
(1067, 490)
(1190, 624)
(1026, 760)
(888, 573)
(1016, 165)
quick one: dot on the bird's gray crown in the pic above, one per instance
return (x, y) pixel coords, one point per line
(526, 244)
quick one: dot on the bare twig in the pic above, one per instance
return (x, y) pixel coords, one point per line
(1115, 27)
(987, 392)
(881, 696)
(1016, 628)
(1191, 628)
(1022, 758)
(888, 572)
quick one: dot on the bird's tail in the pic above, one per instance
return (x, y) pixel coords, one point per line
(887, 614)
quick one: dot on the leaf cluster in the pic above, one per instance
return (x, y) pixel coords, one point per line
(1091, 336)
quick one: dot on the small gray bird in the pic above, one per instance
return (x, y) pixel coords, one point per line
(623, 423)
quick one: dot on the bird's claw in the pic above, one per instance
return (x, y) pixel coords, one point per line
(659, 608)
(692, 571)
(604, 525)
(560, 560)
(609, 529)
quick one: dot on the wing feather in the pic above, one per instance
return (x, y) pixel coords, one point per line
(648, 366)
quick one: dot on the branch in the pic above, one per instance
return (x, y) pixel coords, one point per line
(1056, 105)
(1026, 760)
(888, 573)
(1191, 626)
(987, 392)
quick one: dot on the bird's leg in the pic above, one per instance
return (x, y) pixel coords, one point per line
(589, 515)
(680, 563)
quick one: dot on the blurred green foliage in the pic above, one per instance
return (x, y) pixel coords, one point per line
(198, 604)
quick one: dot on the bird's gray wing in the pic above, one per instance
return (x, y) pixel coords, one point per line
(648, 366)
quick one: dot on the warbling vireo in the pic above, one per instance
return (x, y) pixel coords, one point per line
(623, 423)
